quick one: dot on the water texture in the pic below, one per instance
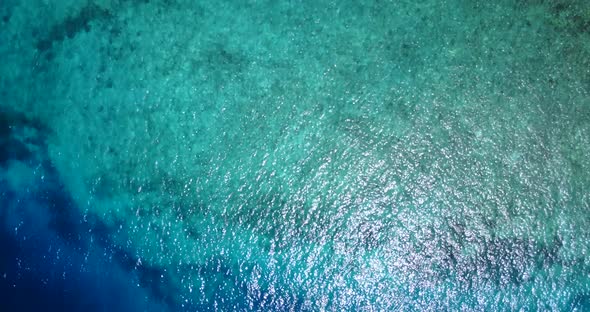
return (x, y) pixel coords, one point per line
(295, 155)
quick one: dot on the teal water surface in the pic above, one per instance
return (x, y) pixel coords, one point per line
(312, 155)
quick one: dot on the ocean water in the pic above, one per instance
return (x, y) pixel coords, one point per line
(285, 155)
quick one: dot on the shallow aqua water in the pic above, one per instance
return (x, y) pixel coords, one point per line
(298, 155)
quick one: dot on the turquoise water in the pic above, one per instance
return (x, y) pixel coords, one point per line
(299, 155)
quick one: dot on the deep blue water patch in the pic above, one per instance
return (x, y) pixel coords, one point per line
(51, 263)
(53, 257)
(41, 272)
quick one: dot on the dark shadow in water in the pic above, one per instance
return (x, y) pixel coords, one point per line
(10, 147)
(72, 25)
(581, 303)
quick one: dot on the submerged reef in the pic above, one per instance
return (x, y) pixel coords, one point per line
(281, 155)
